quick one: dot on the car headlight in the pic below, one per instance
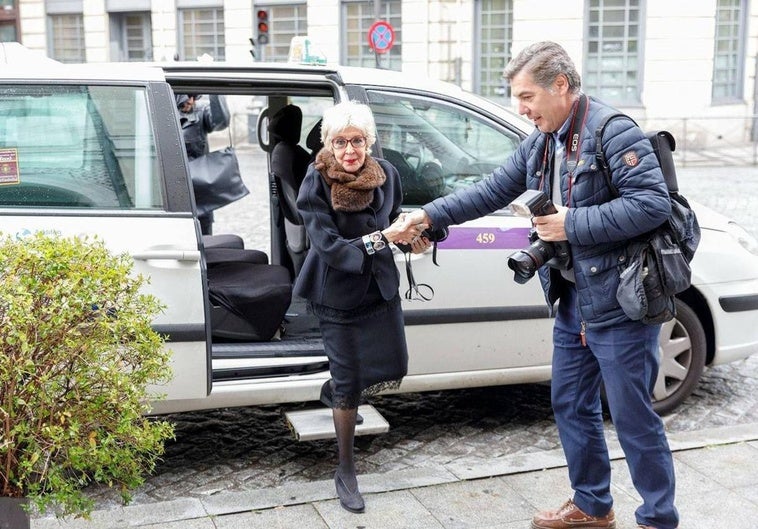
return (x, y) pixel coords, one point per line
(742, 236)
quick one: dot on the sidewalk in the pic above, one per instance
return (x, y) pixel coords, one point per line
(717, 487)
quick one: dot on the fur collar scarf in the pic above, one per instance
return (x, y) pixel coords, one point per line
(350, 191)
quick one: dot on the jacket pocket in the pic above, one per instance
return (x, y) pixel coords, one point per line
(601, 279)
(673, 267)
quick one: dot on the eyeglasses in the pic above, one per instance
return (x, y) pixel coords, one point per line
(359, 142)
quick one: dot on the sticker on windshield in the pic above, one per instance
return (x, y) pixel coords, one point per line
(9, 166)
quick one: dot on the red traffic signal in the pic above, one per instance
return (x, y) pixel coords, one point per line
(262, 16)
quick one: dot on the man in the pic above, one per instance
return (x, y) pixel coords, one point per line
(593, 340)
(197, 122)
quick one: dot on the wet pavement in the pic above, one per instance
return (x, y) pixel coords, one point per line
(244, 450)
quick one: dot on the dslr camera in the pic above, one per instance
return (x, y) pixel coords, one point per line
(524, 263)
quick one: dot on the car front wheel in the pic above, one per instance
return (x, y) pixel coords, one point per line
(682, 359)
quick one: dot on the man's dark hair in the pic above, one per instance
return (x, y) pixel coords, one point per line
(544, 61)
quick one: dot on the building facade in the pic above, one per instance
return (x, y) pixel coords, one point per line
(654, 59)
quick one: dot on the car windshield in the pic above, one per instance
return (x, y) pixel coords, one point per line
(77, 146)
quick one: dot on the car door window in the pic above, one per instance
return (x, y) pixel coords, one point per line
(435, 146)
(67, 146)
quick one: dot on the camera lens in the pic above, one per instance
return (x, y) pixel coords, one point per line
(525, 263)
(522, 265)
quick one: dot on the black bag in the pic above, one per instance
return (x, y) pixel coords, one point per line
(216, 180)
(657, 266)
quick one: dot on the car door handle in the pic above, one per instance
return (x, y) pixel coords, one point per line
(168, 255)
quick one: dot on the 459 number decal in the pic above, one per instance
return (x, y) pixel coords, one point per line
(485, 238)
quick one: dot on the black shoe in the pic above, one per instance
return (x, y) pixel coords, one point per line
(350, 500)
(326, 399)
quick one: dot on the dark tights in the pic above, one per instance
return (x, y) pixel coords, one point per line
(344, 426)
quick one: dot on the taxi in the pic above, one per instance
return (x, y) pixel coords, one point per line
(98, 150)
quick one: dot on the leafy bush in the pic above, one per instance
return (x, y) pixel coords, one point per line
(78, 353)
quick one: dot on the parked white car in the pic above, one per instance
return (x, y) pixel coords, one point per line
(97, 150)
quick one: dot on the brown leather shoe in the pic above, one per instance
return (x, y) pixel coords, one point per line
(569, 516)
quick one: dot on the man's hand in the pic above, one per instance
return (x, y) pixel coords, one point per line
(550, 228)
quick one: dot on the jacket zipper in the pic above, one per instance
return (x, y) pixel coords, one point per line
(583, 324)
(583, 334)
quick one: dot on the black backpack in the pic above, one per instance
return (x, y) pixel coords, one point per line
(657, 266)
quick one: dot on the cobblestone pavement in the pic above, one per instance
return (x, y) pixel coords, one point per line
(251, 448)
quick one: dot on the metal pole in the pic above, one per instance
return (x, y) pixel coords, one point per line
(377, 15)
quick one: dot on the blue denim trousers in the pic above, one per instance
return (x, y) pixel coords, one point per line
(625, 358)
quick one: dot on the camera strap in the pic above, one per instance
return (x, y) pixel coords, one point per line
(416, 291)
(574, 140)
(580, 110)
(575, 133)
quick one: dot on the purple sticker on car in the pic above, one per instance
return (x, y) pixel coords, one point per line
(485, 238)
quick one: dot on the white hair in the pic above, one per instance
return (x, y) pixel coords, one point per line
(348, 114)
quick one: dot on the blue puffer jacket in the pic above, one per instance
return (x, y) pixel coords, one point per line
(598, 226)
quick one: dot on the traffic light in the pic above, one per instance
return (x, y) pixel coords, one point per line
(262, 17)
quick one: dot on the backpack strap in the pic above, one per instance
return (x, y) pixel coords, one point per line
(600, 158)
(663, 144)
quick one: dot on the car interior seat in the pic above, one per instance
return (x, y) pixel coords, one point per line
(249, 297)
(248, 300)
(289, 163)
(224, 240)
(313, 140)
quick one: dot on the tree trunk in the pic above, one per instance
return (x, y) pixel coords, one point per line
(12, 513)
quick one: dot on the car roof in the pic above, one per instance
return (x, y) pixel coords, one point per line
(412, 81)
(344, 75)
(21, 63)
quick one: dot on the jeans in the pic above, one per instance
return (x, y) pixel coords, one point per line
(625, 358)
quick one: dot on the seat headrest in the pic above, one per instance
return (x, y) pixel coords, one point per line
(313, 141)
(285, 125)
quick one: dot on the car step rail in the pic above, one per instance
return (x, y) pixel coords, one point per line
(317, 423)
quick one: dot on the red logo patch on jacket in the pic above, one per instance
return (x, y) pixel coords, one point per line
(630, 158)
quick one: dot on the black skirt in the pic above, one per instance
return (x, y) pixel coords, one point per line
(366, 347)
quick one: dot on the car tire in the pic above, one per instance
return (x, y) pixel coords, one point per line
(682, 348)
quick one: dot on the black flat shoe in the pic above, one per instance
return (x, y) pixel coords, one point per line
(349, 500)
(326, 399)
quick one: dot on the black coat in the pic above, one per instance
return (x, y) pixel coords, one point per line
(337, 271)
(204, 119)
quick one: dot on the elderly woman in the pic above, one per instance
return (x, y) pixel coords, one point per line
(348, 202)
